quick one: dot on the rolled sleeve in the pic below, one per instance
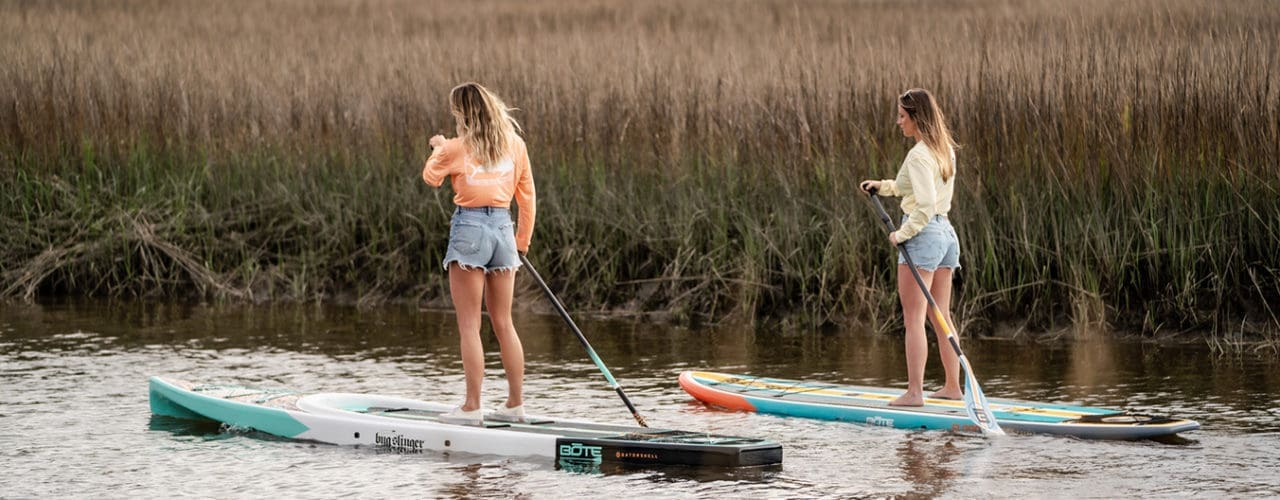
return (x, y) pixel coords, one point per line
(441, 162)
(888, 187)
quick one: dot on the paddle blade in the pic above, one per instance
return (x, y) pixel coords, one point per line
(975, 403)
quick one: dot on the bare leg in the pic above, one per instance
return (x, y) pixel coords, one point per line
(501, 287)
(914, 307)
(467, 289)
(941, 290)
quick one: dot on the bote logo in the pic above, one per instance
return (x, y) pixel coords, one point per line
(881, 421)
(579, 450)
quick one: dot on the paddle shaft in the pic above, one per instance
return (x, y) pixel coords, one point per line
(984, 418)
(583, 339)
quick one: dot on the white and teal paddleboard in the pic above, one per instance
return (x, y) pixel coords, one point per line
(409, 425)
(870, 405)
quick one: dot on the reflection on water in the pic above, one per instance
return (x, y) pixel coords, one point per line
(184, 427)
(926, 460)
(1092, 364)
(79, 372)
(481, 480)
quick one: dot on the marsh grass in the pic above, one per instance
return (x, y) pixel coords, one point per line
(694, 158)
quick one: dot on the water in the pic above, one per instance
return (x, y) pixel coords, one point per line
(74, 417)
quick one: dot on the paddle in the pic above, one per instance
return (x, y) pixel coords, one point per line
(583, 338)
(975, 403)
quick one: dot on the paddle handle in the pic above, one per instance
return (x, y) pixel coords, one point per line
(564, 314)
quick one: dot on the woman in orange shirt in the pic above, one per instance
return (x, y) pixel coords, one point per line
(488, 166)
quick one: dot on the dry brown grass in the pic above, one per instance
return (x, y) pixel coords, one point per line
(667, 79)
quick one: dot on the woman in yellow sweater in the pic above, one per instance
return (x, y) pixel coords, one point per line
(488, 166)
(926, 183)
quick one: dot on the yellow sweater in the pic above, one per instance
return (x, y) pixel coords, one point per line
(919, 184)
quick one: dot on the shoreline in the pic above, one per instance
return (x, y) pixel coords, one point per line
(1003, 331)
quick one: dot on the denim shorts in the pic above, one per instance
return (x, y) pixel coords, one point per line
(482, 238)
(934, 246)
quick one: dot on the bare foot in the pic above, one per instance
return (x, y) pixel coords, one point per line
(945, 394)
(908, 399)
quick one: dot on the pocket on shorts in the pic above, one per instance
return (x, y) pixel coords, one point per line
(927, 249)
(465, 238)
(507, 232)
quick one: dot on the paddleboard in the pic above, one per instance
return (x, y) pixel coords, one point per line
(409, 425)
(870, 405)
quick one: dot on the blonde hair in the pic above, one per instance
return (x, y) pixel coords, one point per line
(921, 106)
(484, 123)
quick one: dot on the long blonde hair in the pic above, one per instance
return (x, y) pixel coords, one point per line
(484, 123)
(923, 109)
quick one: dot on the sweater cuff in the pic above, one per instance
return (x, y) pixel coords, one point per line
(888, 187)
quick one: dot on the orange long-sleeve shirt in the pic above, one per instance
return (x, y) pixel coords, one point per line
(511, 178)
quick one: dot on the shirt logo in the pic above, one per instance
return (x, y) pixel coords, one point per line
(501, 173)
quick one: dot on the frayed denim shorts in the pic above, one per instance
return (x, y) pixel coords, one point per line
(934, 246)
(482, 238)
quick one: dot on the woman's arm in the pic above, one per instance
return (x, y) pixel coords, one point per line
(920, 171)
(889, 187)
(526, 200)
(440, 164)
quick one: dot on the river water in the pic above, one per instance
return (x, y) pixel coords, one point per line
(75, 421)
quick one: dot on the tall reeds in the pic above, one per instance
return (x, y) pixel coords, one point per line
(700, 158)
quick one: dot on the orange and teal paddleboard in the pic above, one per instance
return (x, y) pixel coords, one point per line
(870, 405)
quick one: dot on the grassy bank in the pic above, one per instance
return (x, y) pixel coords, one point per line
(1119, 161)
